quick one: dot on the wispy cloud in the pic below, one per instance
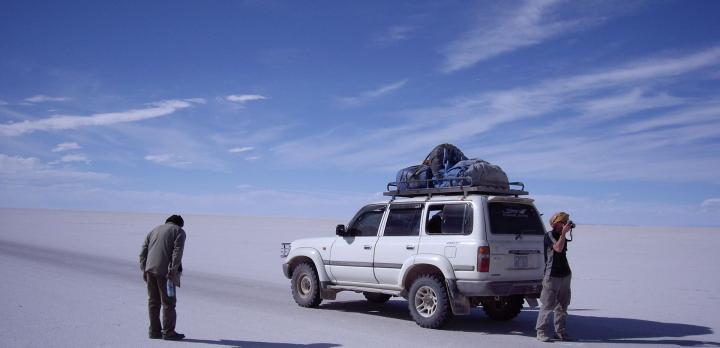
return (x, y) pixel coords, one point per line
(168, 159)
(16, 169)
(253, 158)
(75, 158)
(367, 96)
(241, 149)
(66, 147)
(244, 98)
(711, 204)
(61, 122)
(2, 102)
(44, 99)
(531, 23)
(394, 34)
(579, 102)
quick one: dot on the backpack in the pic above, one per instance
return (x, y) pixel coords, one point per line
(414, 177)
(442, 158)
(482, 173)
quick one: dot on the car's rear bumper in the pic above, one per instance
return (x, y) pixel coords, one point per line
(499, 288)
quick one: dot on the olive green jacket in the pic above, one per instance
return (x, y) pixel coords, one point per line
(162, 252)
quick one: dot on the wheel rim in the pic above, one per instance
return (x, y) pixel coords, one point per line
(426, 301)
(305, 286)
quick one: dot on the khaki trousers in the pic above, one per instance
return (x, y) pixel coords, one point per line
(157, 296)
(555, 297)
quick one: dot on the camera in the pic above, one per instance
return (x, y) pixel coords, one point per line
(571, 224)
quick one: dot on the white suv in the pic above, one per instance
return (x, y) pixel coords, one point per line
(445, 250)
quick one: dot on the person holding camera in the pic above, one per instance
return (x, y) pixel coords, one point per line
(555, 296)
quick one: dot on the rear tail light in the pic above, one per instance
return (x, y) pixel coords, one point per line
(483, 259)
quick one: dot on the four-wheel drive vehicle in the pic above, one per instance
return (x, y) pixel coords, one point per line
(444, 250)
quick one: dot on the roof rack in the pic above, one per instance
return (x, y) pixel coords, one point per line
(461, 185)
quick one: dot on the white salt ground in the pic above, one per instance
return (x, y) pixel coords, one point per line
(70, 279)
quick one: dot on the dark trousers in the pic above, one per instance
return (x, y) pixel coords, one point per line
(157, 295)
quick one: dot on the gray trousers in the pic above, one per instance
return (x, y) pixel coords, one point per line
(555, 297)
(157, 297)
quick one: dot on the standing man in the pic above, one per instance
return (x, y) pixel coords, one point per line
(160, 262)
(555, 296)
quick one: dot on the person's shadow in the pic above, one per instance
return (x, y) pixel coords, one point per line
(583, 328)
(253, 344)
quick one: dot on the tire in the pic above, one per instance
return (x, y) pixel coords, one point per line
(305, 286)
(503, 307)
(429, 302)
(376, 298)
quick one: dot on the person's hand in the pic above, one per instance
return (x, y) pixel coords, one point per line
(566, 228)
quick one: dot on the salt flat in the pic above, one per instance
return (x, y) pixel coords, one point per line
(71, 279)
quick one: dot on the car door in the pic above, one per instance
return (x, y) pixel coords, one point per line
(398, 242)
(351, 257)
(515, 237)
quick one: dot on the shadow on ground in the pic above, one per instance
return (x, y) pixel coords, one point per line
(582, 327)
(252, 344)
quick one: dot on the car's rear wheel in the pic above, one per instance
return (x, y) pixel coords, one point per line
(376, 298)
(429, 302)
(305, 286)
(502, 307)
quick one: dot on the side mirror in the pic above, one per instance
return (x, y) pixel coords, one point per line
(340, 230)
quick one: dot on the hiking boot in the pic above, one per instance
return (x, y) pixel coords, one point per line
(173, 336)
(155, 335)
(543, 337)
(562, 337)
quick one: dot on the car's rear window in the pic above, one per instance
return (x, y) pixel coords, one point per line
(514, 218)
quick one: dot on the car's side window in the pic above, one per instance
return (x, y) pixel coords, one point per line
(404, 220)
(367, 221)
(449, 219)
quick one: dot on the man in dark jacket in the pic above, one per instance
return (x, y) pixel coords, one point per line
(161, 262)
(555, 296)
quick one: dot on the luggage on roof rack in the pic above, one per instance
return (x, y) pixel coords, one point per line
(465, 187)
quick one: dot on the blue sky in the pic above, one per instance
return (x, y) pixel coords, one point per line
(607, 109)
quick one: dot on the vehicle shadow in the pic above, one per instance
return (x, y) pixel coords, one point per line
(253, 344)
(582, 327)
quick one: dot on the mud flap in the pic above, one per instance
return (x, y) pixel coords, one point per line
(459, 304)
(325, 293)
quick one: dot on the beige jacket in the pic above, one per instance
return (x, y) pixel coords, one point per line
(162, 252)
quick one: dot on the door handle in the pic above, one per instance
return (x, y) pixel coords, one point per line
(367, 247)
(409, 247)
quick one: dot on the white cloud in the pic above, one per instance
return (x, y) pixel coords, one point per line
(244, 98)
(241, 149)
(66, 146)
(16, 169)
(168, 159)
(711, 204)
(531, 23)
(75, 158)
(158, 109)
(394, 34)
(527, 148)
(367, 96)
(43, 99)
(253, 158)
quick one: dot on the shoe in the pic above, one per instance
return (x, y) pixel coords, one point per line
(543, 338)
(562, 337)
(155, 335)
(173, 336)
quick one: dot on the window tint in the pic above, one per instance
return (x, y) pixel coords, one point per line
(514, 218)
(367, 221)
(449, 219)
(404, 220)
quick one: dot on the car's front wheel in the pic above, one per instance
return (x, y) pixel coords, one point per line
(305, 286)
(429, 302)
